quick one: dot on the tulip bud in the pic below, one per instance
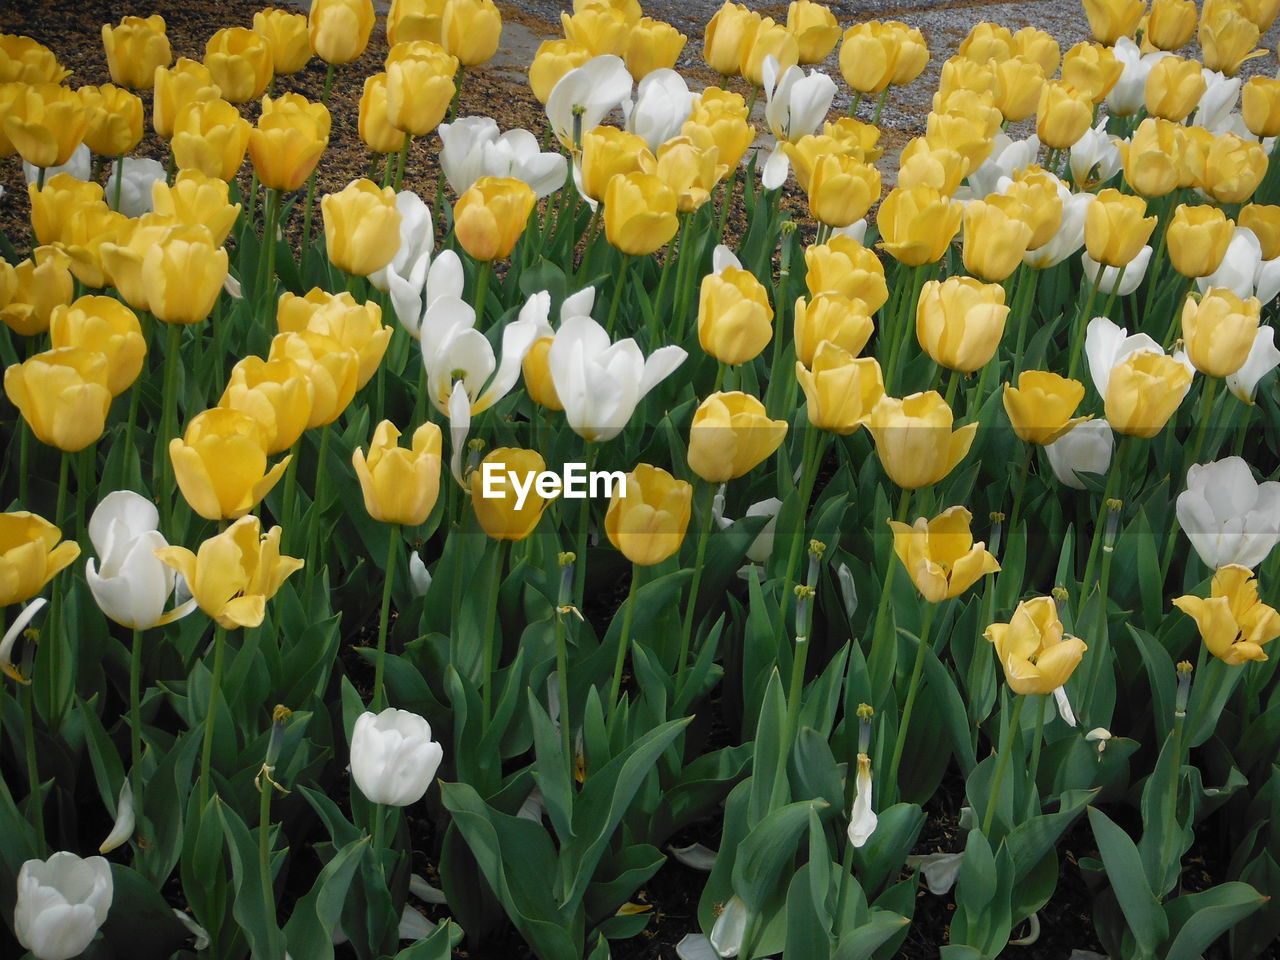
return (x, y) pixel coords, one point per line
(393, 758)
(62, 901)
(420, 86)
(1231, 169)
(987, 42)
(735, 320)
(234, 573)
(45, 123)
(537, 375)
(24, 60)
(1173, 88)
(287, 143)
(1170, 24)
(103, 325)
(195, 199)
(221, 464)
(355, 326)
(842, 190)
(491, 215)
(688, 165)
(724, 115)
(1152, 159)
(374, 125)
(917, 224)
(1227, 515)
(1017, 90)
(553, 59)
(728, 35)
(843, 265)
(771, 39)
(914, 439)
(115, 119)
(38, 286)
(63, 396)
(1141, 386)
(731, 435)
(1085, 448)
(184, 273)
(1040, 407)
(1063, 115)
(815, 28)
(210, 136)
(340, 29)
(186, 82)
(647, 519)
(607, 152)
(1218, 331)
(361, 227)
(31, 554)
(1037, 655)
(652, 45)
(1264, 222)
(1115, 228)
(276, 393)
(1092, 69)
(1227, 37)
(831, 316)
(840, 391)
(333, 369)
(995, 239)
(876, 53)
(599, 28)
(135, 49)
(409, 20)
(239, 61)
(1109, 20)
(57, 202)
(959, 322)
(287, 37)
(940, 555)
(639, 213)
(1197, 238)
(505, 494)
(400, 486)
(1233, 623)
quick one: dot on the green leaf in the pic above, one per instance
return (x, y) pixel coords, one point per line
(309, 931)
(437, 946)
(1200, 918)
(254, 905)
(140, 924)
(1123, 862)
(767, 850)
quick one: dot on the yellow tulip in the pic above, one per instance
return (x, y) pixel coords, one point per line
(1197, 238)
(361, 227)
(988, 42)
(195, 199)
(1261, 13)
(420, 86)
(1227, 37)
(639, 213)
(287, 36)
(45, 123)
(724, 114)
(1174, 88)
(235, 573)
(1260, 104)
(537, 375)
(1092, 69)
(914, 439)
(115, 119)
(122, 258)
(1218, 331)
(239, 61)
(607, 152)
(959, 322)
(135, 49)
(771, 39)
(39, 286)
(287, 143)
(1017, 92)
(276, 393)
(374, 125)
(31, 555)
(652, 45)
(876, 53)
(1233, 623)
(842, 190)
(186, 82)
(731, 435)
(842, 320)
(340, 29)
(917, 224)
(967, 134)
(1037, 655)
(994, 240)
(841, 389)
(1038, 46)
(356, 326)
(1153, 157)
(1063, 115)
(1264, 221)
(83, 235)
(815, 28)
(63, 396)
(183, 275)
(553, 59)
(735, 320)
(728, 36)
(333, 369)
(57, 202)
(600, 29)
(1171, 24)
(414, 20)
(24, 60)
(647, 519)
(1144, 391)
(1231, 169)
(210, 136)
(843, 265)
(961, 73)
(470, 30)
(688, 165)
(103, 325)
(400, 486)
(221, 464)
(1040, 197)
(1115, 229)
(940, 555)
(1040, 407)
(499, 516)
(922, 164)
(491, 215)
(1109, 20)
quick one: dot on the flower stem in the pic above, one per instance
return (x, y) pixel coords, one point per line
(215, 695)
(1082, 321)
(483, 269)
(35, 801)
(913, 689)
(492, 636)
(168, 417)
(388, 580)
(317, 516)
(705, 494)
(1036, 741)
(624, 640)
(1002, 762)
(135, 711)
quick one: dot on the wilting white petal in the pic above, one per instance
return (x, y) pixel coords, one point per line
(940, 870)
(695, 856)
(730, 927)
(123, 827)
(1064, 706)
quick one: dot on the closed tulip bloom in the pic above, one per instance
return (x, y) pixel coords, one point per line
(63, 396)
(842, 190)
(735, 320)
(1115, 228)
(1232, 168)
(115, 119)
(184, 274)
(1174, 88)
(1233, 623)
(356, 326)
(1017, 90)
(333, 369)
(918, 224)
(771, 39)
(239, 60)
(1264, 222)
(688, 165)
(724, 114)
(32, 553)
(221, 464)
(361, 227)
(471, 30)
(537, 375)
(1153, 157)
(602, 30)
(940, 555)
(994, 240)
(647, 519)
(210, 136)
(1197, 239)
(843, 265)
(195, 199)
(400, 485)
(340, 29)
(1063, 115)
(187, 81)
(103, 325)
(639, 213)
(1227, 515)
(1040, 407)
(924, 164)
(815, 28)
(287, 35)
(135, 48)
(276, 393)
(988, 42)
(393, 758)
(840, 390)
(1260, 104)
(499, 516)
(24, 60)
(1037, 655)
(876, 53)
(553, 59)
(831, 316)
(728, 35)
(55, 203)
(414, 20)
(374, 124)
(914, 439)
(1218, 330)
(62, 901)
(234, 574)
(1171, 24)
(123, 257)
(959, 322)
(1141, 387)
(420, 86)
(45, 123)
(1085, 448)
(607, 152)
(1092, 69)
(1109, 20)
(652, 45)
(1227, 37)
(491, 215)
(730, 436)
(38, 286)
(287, 143)
(1043, 198)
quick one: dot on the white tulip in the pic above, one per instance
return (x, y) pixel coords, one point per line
(1007, 157)
(406, 274)
(584, 96)
(1128, 96)
(1263, 358)
(62, 902)
(662, 105)
(516, 154)
(1227, 515)
(1243, 271)
(1100, 736)
(393, 758)
(1110, 280)
(862, 819)
(132, 585)
(1219, 100)
(1107, 345)
(1098, 149)
(795, 103)
(730, 927)
(695, 946)
(1069, 237)
(600, 383)
(79, 166)
(462, 150)
(13, 633)
(135, 189)
(856, 231)
(762, 546)
(1085, 448)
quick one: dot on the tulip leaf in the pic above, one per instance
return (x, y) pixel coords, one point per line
(1123, 862)
(551, 771)
(438, 946)
(1200, 918)
(309, 932)
(766, 851)
(254, 904)
(769, 759)
(881, 858)
(140, 923)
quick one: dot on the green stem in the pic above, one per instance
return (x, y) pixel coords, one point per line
(401, 157)
(853, 112)
(705, 495)
(388, 580)
(168, 417)
(328, 84)
(580, 545)
(271, 224)
(562, 675)
(264, 851)
(317, 515)
(1037, 741)
(35, 802)
(913, 689)
(1077, 335)
(215, 695)
(624, 272)
(1002, 762)
(624, 640)
(287, 496)
(1208, 393)
(135, 712)
(1108, 493)
(880, 102)
(492, 637)
(814, 443)
(483, 269)
(1016, 513)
